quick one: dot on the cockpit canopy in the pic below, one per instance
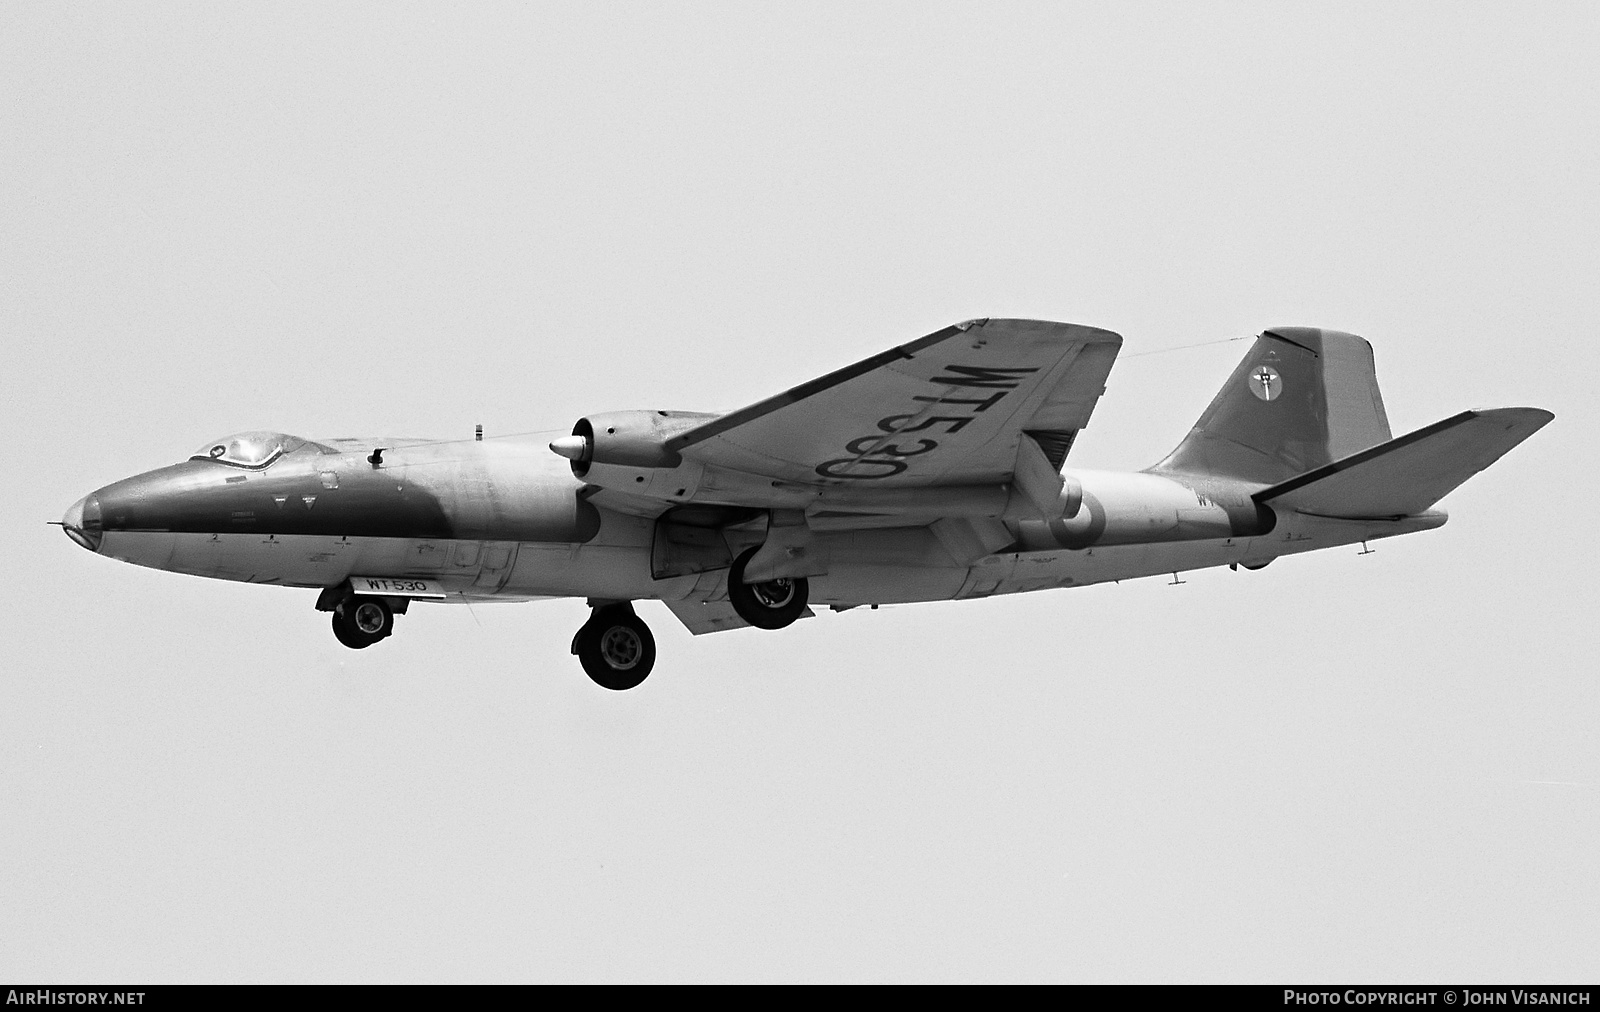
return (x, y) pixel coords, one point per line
(248, 449)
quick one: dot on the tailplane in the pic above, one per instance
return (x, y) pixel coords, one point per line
(1301, 399)
(1405, 476)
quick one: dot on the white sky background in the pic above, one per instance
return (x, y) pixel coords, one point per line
(340, 220)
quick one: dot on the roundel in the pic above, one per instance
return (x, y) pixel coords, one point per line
(1265, 382)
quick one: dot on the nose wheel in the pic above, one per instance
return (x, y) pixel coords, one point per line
(360, 622)
(615, 647)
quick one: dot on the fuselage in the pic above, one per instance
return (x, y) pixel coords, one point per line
(505, 519)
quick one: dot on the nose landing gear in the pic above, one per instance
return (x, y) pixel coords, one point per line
(615, 647)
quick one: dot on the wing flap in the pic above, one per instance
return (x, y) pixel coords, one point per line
(1407, 475)
(702, 617)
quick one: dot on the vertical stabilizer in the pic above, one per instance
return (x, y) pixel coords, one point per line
(1301, 399)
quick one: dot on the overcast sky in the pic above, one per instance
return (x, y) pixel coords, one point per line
(343, 220)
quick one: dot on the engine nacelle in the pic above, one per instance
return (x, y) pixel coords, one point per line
(627, 451)
(1071, 499)
(626, 439)
(1113, 508)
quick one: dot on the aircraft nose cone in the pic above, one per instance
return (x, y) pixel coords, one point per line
(82, 522)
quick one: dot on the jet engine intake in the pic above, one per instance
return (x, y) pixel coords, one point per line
(627, 451)
(621, 439)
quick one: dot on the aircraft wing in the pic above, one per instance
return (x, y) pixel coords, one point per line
(949, 409)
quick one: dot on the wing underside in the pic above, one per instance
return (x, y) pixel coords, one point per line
(949, 409)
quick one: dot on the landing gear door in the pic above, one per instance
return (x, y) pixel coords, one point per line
(497, 559)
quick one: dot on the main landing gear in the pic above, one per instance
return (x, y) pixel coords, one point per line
(770, 605)
(615, 647)
(617, 650)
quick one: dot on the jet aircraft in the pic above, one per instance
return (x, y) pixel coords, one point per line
(933, 471)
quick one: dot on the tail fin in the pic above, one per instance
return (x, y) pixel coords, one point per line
(1407, 475)
(1302, 398)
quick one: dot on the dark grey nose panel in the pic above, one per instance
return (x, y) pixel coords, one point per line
(334, 495)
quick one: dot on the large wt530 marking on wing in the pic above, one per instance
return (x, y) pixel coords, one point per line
(880, 455)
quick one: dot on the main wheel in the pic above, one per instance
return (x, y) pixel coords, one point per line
(615, 648)
(362, 621)
(770, 605)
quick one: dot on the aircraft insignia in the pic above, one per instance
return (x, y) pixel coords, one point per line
(1265, 382)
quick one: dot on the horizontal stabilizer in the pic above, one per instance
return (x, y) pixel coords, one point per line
(1407, 475)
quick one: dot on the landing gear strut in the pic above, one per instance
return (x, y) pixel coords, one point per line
(770, 605)
(359, 622)
(615, 647)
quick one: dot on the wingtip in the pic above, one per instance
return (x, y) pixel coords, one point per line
(1537, 417)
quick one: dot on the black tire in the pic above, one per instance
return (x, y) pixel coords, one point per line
(362, 621)
(615, 648)
(770, 605)
(344, 637)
